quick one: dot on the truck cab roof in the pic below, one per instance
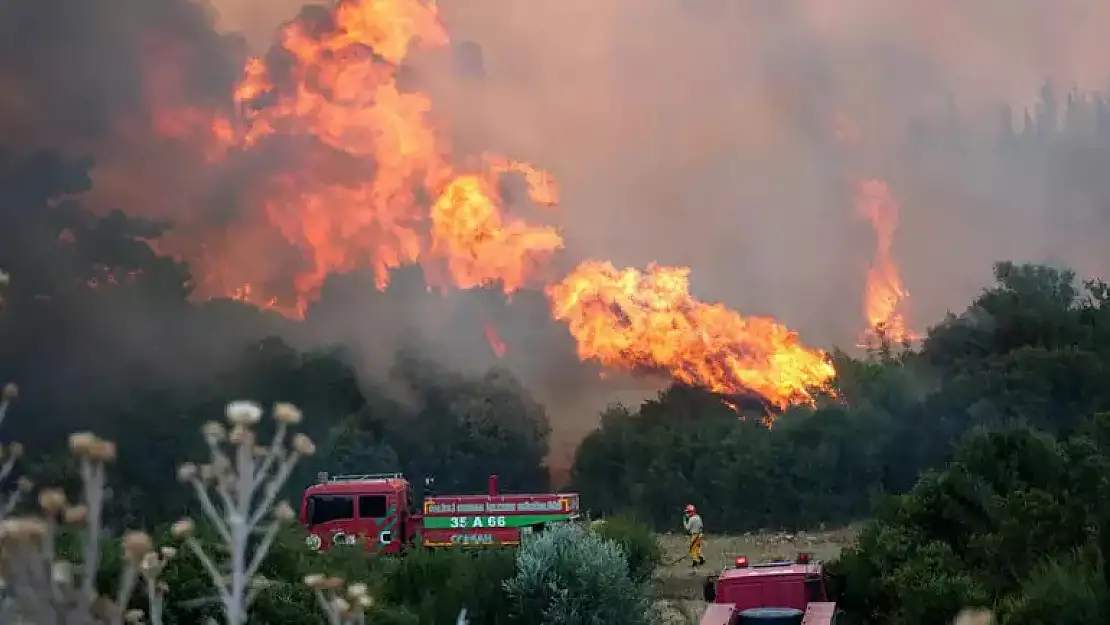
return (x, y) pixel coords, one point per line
(794, 586)
(358, 484)
(768, 569)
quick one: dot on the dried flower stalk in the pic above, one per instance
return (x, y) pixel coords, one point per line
(42, 588)
(246, 480)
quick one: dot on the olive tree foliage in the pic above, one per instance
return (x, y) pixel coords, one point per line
(455, 427)
(1012, 520)
(569, 575)
(1069, 591)
(1016, 514)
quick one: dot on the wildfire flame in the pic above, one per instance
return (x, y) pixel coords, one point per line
(627, 319)
(377, 186)
(340, 88)
(245, 294)
(496, 343)
(884, 297)
(542, 186)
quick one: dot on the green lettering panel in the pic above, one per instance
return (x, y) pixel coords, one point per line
(489, 521)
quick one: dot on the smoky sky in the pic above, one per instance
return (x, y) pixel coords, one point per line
(76, 70)
(703, 133)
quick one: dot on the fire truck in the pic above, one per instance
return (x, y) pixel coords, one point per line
(781, 592)
(377, 511)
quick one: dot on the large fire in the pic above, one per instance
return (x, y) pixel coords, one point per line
(629, 319)
(340, 88)
(387, 190)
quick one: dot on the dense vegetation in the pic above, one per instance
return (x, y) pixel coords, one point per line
(1030, 350)
(981, 456)
(1007, 400)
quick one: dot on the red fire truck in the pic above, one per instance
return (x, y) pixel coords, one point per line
(377, 510)
(780, 592)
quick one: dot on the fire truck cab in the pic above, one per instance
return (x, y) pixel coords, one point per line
(782, 592)
(374, 508)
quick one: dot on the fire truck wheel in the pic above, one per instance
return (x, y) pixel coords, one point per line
(771, 616)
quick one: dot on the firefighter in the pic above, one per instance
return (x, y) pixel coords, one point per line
(695, 529)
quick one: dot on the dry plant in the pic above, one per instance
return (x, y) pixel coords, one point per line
(341, 606)
(11, 454)
(42, 588)
(345, 604)
(237, 491)
(246, 478)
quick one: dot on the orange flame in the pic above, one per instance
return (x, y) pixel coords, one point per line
(375, 184)
(340, 88)
(247, 295)
(496, 343)
(884, 296)
(479, 248)
(542, 186)
(627, 319)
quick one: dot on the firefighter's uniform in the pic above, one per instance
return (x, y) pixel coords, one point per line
(695, 529)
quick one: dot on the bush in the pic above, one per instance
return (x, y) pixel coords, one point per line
(895, 576)
(434, 585)
(1063, 592)
(637, 541)
(571, 575)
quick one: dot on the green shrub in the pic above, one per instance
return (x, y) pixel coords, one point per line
(896, 576)
(637, 541)
(571, 575)
(435, 584)
(1062, 592)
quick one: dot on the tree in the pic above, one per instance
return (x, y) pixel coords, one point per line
(980, 531)
(456, 428)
